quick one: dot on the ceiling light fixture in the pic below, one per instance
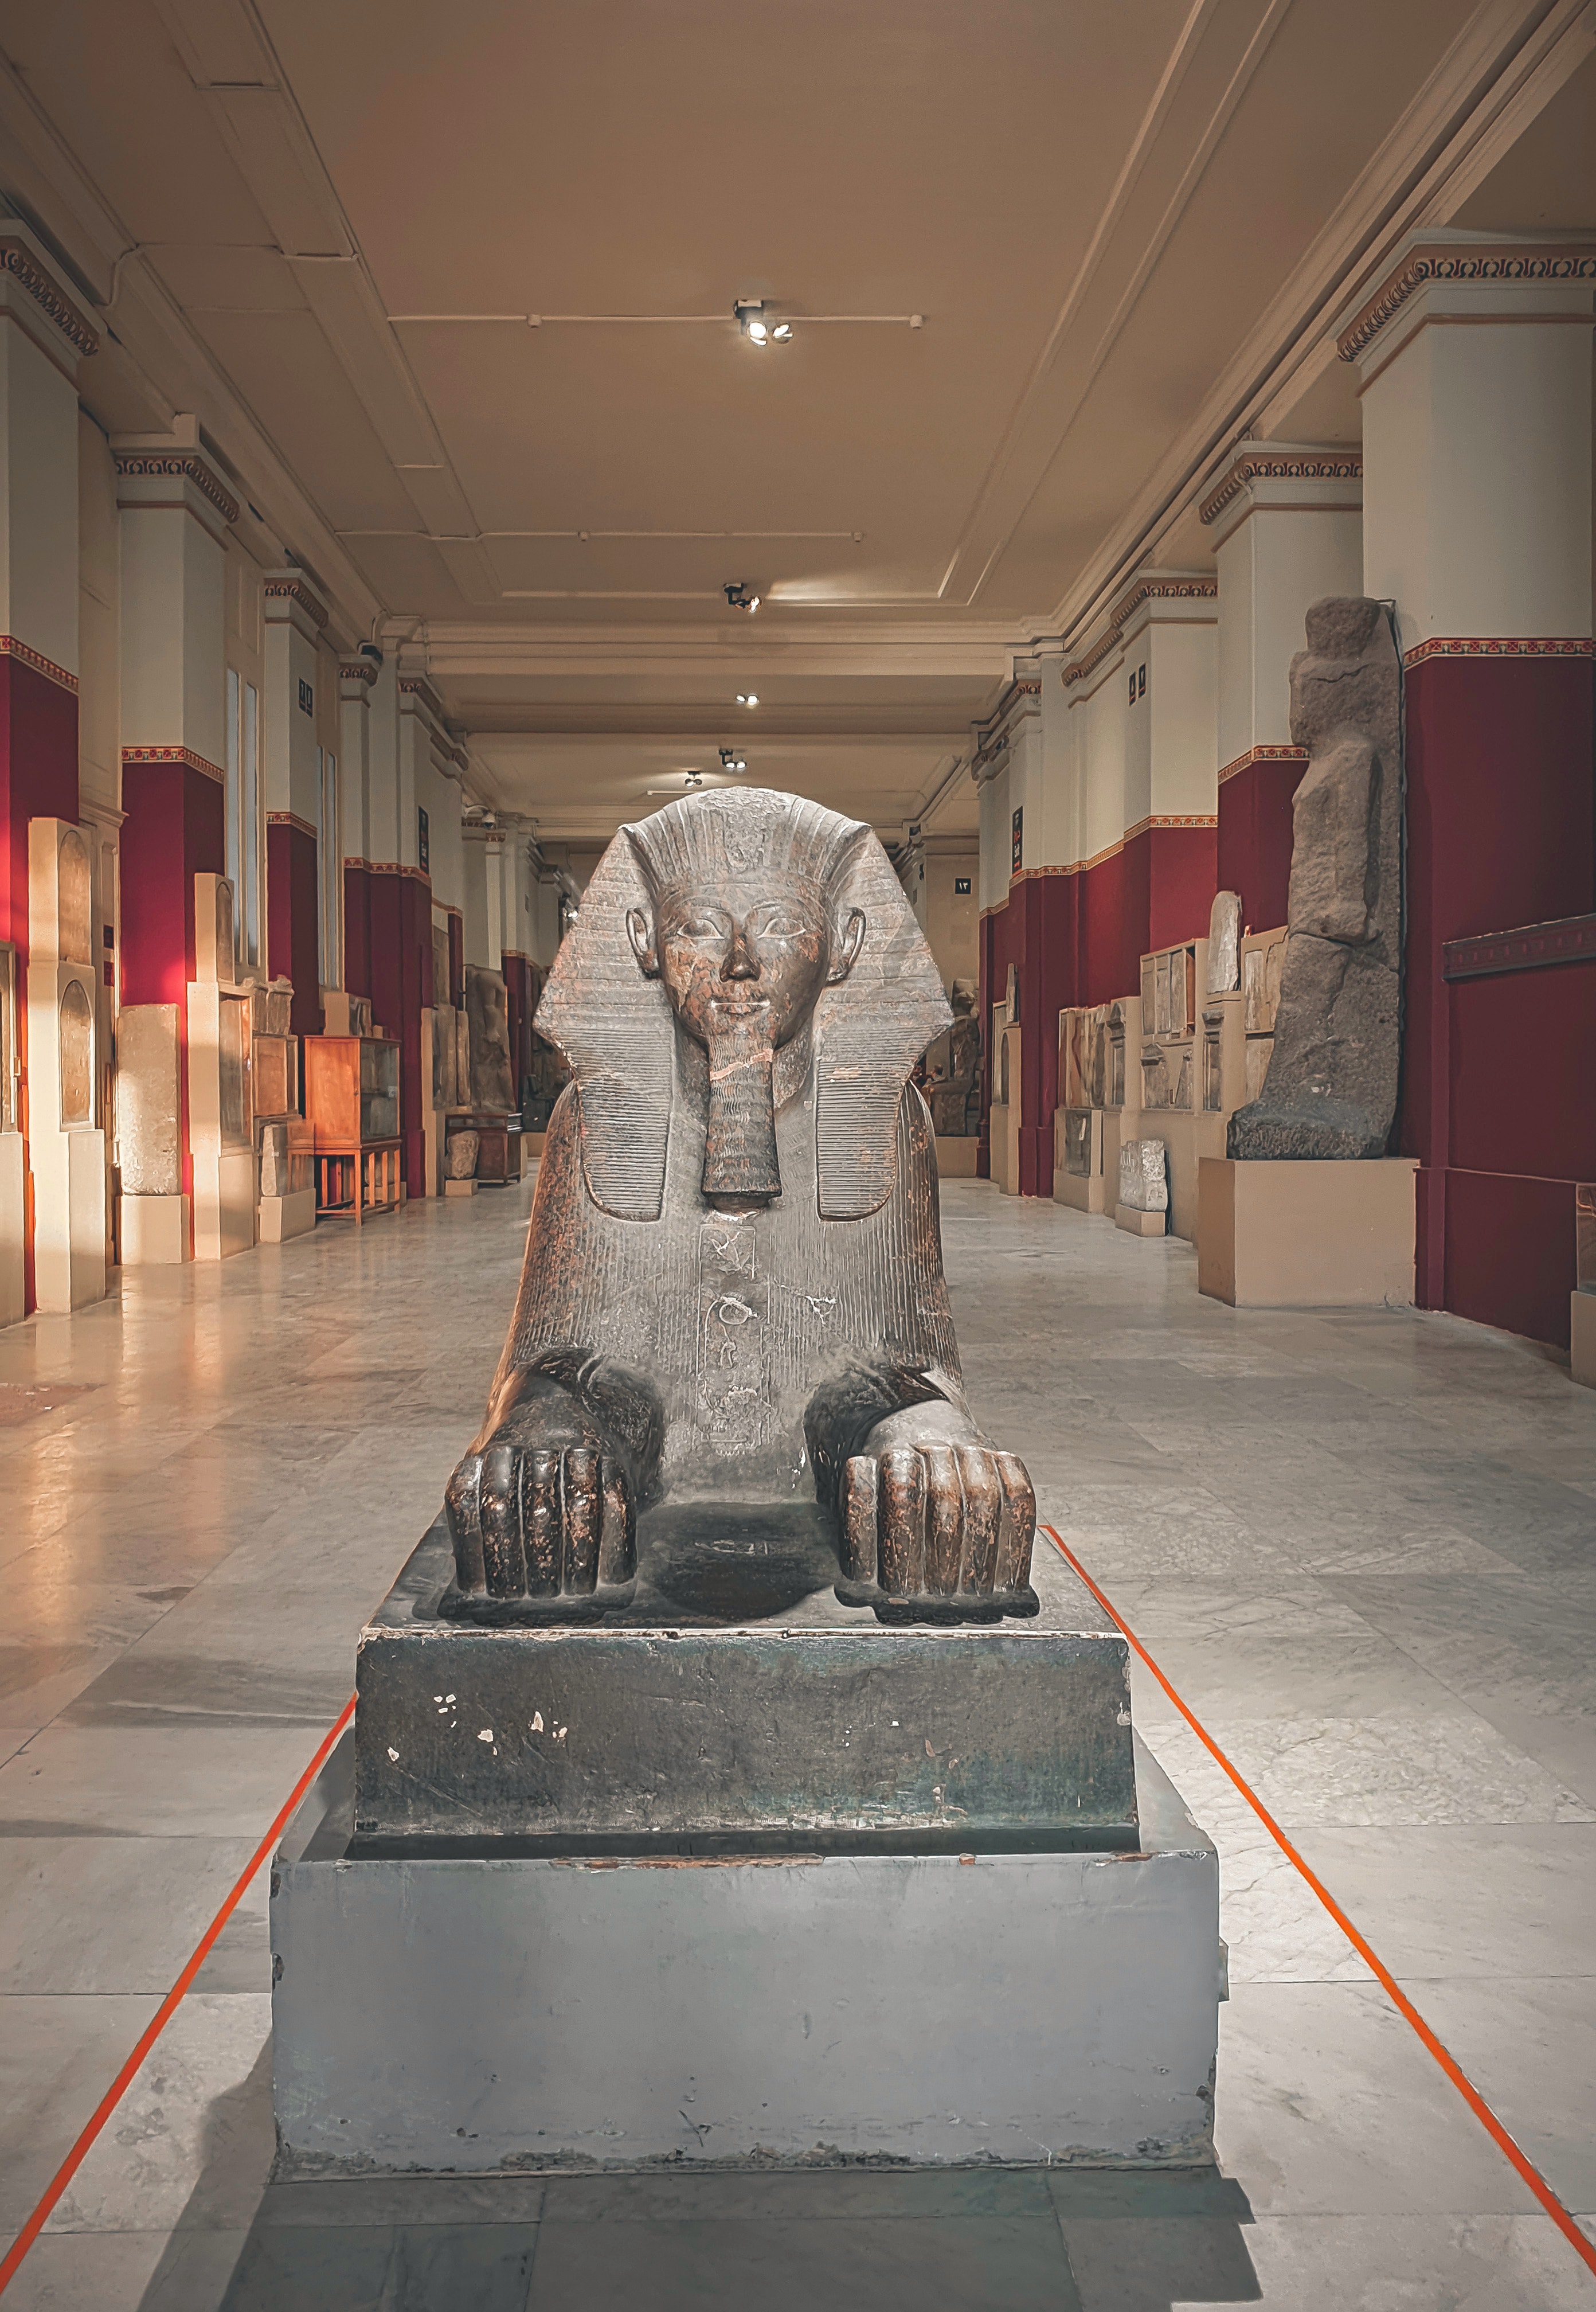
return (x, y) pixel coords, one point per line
(730, 760)
(747, 698)
(757, 326)
(738, 596)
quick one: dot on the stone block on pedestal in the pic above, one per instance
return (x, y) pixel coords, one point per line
(1317, 1234)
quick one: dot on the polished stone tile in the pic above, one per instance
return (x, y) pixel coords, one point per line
(1497, 1900)
(967, 2264)
(198, 1781)
(1332, 2263)
(110, 1914)
(192, 2142)
(57, 2056)
(1528, 2045)
(1328, 2103)
(125, 2271)
(817, 2196)
(485, 2267)
(1389, 1769)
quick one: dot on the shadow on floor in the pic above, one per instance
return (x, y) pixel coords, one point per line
(960, 2240)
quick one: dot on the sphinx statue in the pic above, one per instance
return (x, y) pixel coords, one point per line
(732, 1286)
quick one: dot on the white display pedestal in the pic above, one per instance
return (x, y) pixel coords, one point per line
(155, 1230)
(281, 1218)
(12, 1241)
(1136, 1222)
(956, 1158)
(1313, 1235)
(1581, 1337)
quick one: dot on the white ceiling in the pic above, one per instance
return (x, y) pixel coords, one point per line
(1126, 230)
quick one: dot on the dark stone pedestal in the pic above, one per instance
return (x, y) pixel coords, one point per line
(735, 1698)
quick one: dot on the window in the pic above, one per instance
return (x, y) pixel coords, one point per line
(330, 853)
(243, 760)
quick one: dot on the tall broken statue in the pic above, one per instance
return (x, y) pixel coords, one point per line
(1332, 1089)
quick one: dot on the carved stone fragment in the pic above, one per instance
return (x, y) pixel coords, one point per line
(1143, 1186)
(460, 1152)
(1332, 1074)
(733, 1283)
(274, 1159)
(1224, 943)
(491, 1087)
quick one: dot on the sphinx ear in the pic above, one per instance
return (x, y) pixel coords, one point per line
(845, 954)
(640, 930)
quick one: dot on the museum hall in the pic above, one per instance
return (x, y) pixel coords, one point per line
(798, 1155)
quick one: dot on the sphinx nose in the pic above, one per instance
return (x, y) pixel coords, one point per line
(740, 961)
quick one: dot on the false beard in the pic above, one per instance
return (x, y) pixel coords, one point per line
(740, 1154)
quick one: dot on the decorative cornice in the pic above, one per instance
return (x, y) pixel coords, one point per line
(1151, 588)
(1482, 265)
(1266, 466)
(139, 464)
(1500, 646)
(357, 669)
(296, 590)
(1155, 823)
(11, 648)
(132, 756)
(392, 867)
(25, 269)
(1262, 755)
(417, 687)
(291, 819)
(1572, 939)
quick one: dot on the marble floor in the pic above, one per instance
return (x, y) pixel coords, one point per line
(1362, 1546)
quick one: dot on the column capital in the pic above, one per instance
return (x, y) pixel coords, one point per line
(1451, 275)
(290, 599)
(1283, 477)
(32, 295)
(163, 471)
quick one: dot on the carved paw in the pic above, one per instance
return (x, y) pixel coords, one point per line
(542, 1523)
(938, 1533)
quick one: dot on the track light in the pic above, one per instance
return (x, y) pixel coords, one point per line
(730, 760)
(738, 596)
(747, 698)
(757, 326)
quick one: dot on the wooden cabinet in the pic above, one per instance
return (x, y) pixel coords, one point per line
(351, 1102)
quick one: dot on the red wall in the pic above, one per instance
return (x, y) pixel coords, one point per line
(357, 927)
(1501, 832)
(401, 974)
(175, 829)
(1079, 938)
(1254, 847)
(293, 946)
(37, 780)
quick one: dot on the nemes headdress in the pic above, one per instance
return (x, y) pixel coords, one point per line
(615, 1027)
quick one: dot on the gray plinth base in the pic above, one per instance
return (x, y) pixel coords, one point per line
(529, 2011)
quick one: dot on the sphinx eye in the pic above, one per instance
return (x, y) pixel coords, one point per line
(698, 927)
(779, 923)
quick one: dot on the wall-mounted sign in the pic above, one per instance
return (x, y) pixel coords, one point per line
(1141, 680)
(422, 835)
(961, 887)
(1019, 818)
(307, 699)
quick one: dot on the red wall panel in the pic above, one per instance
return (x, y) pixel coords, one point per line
(1254, 852)
(293, 946)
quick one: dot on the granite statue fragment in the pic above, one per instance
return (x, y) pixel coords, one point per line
(1331, 1090)
(733, 1287)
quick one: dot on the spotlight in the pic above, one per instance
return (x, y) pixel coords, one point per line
(730, 760)
(757, 325)
(747, 698)
(738, 596)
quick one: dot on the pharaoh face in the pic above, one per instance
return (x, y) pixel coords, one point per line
(743, 960)
(748, 960)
